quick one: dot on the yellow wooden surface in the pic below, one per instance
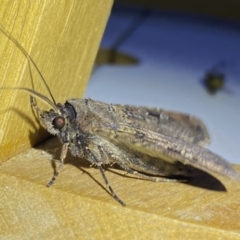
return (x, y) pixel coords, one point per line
(63, 38)
(78, 206)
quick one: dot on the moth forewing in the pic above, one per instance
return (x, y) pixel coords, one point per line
(178, 125)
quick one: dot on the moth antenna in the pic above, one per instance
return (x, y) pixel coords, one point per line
(14, 40)
(35, 94)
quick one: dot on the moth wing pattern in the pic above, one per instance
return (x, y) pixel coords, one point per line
(178, 125)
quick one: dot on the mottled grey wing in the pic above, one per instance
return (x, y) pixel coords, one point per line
(177, 125)
(167, 148)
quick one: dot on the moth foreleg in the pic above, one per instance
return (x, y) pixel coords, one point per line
(99, 165)
(62, 157)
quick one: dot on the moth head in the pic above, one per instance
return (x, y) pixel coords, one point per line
(58, 121)
(53, 121)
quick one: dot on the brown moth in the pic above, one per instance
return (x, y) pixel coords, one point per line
(140, 140)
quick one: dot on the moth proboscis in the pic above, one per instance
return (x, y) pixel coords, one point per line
(150, 143)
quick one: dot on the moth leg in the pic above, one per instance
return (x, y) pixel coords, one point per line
(143, 176)
(62, 157)
(99, 166)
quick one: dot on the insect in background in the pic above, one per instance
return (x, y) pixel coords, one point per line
(150, 143)
(214, 79)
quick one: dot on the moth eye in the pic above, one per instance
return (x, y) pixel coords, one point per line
(59, 122)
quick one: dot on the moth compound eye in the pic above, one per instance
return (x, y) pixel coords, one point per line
(59, 122)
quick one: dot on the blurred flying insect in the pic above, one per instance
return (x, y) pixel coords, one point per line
(214, 79)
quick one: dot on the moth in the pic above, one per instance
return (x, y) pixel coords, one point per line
(150, 143)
